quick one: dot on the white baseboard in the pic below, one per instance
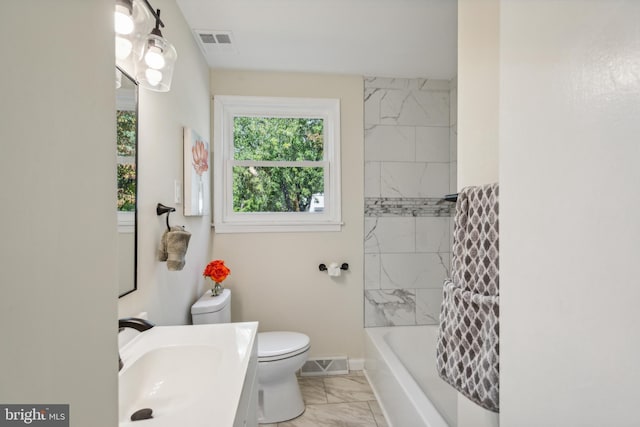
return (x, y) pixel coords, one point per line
(356, 364)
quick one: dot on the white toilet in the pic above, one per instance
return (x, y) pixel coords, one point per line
(280, 355)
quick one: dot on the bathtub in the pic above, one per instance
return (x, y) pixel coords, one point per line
(400, 363)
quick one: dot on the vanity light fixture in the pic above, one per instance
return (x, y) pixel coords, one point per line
(154, 65)
(141, 50)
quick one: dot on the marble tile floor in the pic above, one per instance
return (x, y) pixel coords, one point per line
(337, 401)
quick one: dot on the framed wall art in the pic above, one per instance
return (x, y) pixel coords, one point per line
(196, 174)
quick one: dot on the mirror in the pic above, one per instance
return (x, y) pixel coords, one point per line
(127, 164)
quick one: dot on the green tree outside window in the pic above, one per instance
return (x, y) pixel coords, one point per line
(126, 152)
(270, 188)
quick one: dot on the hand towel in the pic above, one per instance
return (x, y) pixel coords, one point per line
(468, 337)
(162, 250)
(177, 245)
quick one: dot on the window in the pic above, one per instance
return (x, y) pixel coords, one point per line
(126, 146)
(276, 164)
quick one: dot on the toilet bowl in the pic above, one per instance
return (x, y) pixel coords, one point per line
(280, 355)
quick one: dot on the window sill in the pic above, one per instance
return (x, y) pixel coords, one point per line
(275, 228)
(126, 222)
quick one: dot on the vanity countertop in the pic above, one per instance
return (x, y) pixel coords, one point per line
(187, 375)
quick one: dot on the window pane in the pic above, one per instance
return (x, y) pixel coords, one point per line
(126, 133)
(126, 152)
(126, 187)
(278, 139)
(278, 189)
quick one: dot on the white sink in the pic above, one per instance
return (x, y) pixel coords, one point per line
(187, 375)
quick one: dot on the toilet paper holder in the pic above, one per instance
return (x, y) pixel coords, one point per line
(323, 267)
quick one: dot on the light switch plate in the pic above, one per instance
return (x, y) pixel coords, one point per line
(177, 191)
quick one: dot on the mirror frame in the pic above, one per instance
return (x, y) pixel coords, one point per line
(136, 157)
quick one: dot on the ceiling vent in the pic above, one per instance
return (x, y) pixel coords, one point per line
(212, 41)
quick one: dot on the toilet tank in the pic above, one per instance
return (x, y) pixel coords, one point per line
(209, 309)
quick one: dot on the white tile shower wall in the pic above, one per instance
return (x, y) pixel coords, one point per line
(453, 143)
(409, 152)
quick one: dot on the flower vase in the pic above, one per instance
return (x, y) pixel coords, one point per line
(200, 196)
(217, 289)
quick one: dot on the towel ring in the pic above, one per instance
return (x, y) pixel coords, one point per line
(162, 209)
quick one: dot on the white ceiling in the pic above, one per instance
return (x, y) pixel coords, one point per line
(382, 38)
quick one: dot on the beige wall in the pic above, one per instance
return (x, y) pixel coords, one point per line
(275, 277)
(567, 108)
(167, 295)
(569, 335)
(126, 255)
(477, 123)
(478, 79)
(58, 247)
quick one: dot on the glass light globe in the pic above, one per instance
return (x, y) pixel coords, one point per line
(123, 47)
(153, 76)
(123, 21)
(154, 58)
(154, 63)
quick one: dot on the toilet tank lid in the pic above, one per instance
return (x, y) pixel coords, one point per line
(211, 304)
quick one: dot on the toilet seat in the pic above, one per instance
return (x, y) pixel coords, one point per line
(274, 346)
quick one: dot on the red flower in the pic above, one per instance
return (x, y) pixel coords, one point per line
(216, 270)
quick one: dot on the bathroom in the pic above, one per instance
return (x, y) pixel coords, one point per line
(545, 101)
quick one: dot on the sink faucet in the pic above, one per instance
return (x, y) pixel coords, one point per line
(138, 324)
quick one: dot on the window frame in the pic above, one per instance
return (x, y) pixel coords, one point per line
(226, 108)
